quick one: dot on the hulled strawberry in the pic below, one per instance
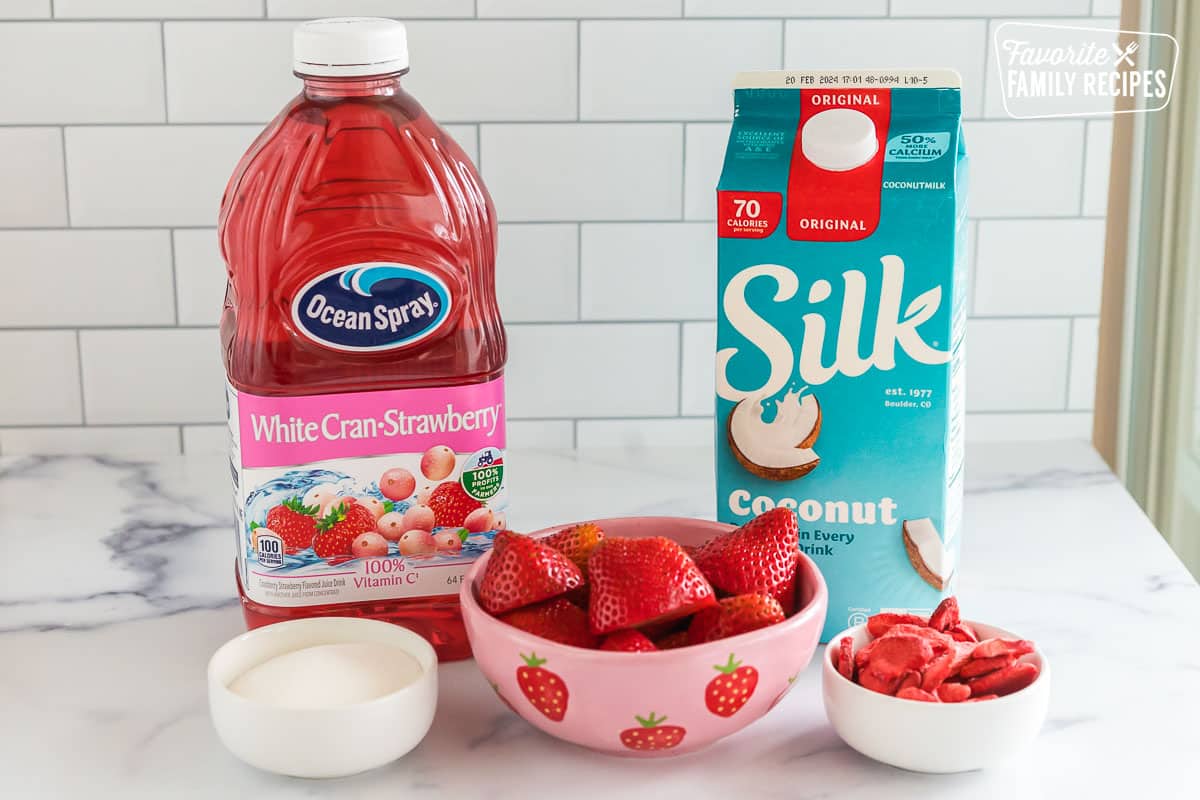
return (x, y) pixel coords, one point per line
(728, 692)
(651, 734)
(337, 530)
(761, 557)
(451, 504)
(642, 581)
(734, 615)
(557, 620)
(522, 571)
(577, 542)
(628, 641)
(544, 689)
(295, 523)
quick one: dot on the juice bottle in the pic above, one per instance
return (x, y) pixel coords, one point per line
(363, 347)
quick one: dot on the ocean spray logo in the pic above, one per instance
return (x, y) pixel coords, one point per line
(371, 307)
(1074, 71)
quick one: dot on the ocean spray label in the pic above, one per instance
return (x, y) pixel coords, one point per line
(371, 306)
(841, 309)
(365, 495)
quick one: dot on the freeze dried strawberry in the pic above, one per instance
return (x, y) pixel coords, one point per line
(1005, 681)
(982, 666)
(864, 654)
(869, 680)
(1002, 647)
(911, 680)
(912, 693)
(962, 632)
(945, 615)
(942, 667)
(953, 692)
(845, 658)
(896, 655)
(940, 641)
(878, 625)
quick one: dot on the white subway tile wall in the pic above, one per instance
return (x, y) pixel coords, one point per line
(599, 126)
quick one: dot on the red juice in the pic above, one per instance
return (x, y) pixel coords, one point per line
(363, 347)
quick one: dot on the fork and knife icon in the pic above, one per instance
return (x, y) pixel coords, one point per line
(1125, 55)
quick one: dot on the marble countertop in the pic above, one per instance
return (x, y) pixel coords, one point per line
(117, 587)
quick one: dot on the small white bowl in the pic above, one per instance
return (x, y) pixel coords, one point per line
(320, 742)
(934, 737)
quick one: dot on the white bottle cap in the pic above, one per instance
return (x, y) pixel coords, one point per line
(347, 46)
(839, 139)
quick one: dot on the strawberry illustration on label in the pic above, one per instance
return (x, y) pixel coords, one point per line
(545, 690)
(337, 530)
(729, 691)
(451, 504)
(652, 734)
(295, 523)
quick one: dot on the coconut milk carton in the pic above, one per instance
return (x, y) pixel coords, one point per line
(841, 309)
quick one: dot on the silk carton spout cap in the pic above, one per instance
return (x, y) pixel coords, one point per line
(350, 46)
(839, 139)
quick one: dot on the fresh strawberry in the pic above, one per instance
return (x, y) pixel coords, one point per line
(728, 692)
(761, 556)
(628, 641)
(672, 641)
(295, 523)
(641, 581)
(556, 620)
(337, 530)
(734, 615)
(545, 690)
(522, 571)
(451, 504)
(576, 542)
(652, 734)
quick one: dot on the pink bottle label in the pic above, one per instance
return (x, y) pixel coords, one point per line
(366, 495)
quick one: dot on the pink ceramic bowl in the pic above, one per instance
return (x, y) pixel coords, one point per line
(645, 704)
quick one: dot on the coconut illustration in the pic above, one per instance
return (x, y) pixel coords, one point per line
(926, 552)
(779, 450)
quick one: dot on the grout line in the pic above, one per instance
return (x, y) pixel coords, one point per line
(679, 377)
(578, 271)
(683, 172)
(475, 12)
(1087, 142)
(579, 70)
(79, 373)
(973, 272)
(162, 41)
(264, 9)
(577, 17)
(783, 44)
(687, 221)
(557, 323)
(103, 425)
(1067, 371)
(568, 121)
(62, 141)
(174, 274)
(575, 434)
(983, 86)
(180, 427)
